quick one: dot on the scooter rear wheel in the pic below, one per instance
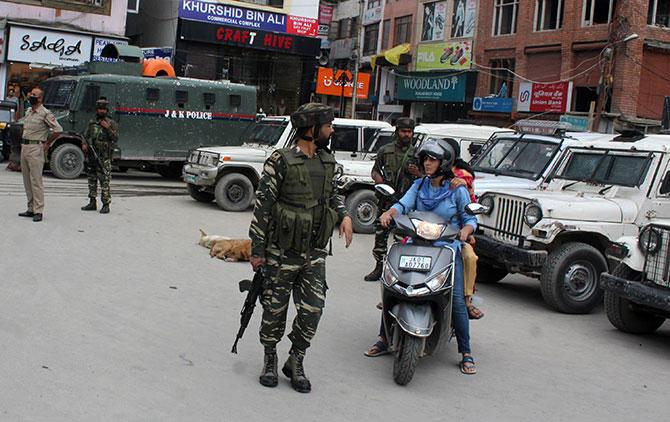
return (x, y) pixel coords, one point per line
(406, 358)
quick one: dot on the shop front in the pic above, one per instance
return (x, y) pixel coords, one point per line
(273, 51)
(436, 97)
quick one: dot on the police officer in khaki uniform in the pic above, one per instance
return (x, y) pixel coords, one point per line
(36, 125)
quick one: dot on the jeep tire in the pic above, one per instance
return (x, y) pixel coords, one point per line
(362, 208)
(234, 192)
(570, 279)
(623, 314)
(199, 195)
(488, 274)
(67, 161)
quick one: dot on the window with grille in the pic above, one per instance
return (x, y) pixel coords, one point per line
(209, 98)
(504, 17)
(659, 13)
(403, 30)
(502, 79)
(598, 12)
(386, 34)
(370, 39)
(181, 98)
(153, 94)
(548, 15)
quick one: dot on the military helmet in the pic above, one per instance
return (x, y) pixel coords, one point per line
(438, 149)
(312, 114)
(404, 123)
(102, 103)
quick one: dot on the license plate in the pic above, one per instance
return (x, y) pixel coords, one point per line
(411, 262)
(189, 178)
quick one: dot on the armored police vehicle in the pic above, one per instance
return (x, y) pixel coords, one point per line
(599, 192)
(161, 117)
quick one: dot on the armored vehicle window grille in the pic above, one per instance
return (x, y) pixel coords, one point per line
(57, 94)
(235, 100)
(91, 95)
(209, 98)
(605, 168)
(153, 94)
(509, 219)
(657, 263)
(181, 98)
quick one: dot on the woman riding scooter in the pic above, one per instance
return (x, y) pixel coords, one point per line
(434, 193)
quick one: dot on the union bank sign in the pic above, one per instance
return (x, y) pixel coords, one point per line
(443, 88)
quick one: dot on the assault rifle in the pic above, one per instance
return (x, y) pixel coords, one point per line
(254, 288)
(92, 153)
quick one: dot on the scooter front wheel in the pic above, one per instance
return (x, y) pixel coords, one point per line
(406, 358)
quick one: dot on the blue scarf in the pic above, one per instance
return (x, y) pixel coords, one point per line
(430, 197)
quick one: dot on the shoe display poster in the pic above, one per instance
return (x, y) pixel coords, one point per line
(454, 55)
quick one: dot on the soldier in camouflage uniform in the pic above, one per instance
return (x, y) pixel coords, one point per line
(296, 210)
(396, 166)
(102, 134)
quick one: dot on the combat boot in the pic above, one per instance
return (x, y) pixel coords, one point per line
(376, 274)
(294, 370)
(104, 209)
(269, 377)
(91, 206)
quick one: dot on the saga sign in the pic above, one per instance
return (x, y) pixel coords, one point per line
(48, 47)
(447, 88)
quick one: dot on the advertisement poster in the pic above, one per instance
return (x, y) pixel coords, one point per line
(434, 20)
(544, 98)
(325, 14)
(220, 13)
(455, 55)
(447, 88)
(463, 22)
(329, 84)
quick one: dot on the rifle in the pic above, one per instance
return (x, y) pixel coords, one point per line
(254, 289)
(93, 153)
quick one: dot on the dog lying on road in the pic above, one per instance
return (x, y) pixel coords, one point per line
(231, 250)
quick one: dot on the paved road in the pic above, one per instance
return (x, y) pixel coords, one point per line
(125, 317)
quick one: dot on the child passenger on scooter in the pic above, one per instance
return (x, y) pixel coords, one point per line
(434, 193)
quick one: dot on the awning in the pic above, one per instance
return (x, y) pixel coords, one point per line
(392, 55)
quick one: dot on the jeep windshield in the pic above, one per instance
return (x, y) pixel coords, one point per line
(605, 167)
(517, 157)
(58, 93)
(265, 132)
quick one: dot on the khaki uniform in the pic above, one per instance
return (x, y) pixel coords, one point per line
(36, 126)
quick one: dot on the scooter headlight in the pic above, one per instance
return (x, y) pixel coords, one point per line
(428, 231)
(439, 280)
(388, 276)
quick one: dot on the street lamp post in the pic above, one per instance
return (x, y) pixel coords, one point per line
(357, 57)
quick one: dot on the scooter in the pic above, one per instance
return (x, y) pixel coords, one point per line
(417, 287)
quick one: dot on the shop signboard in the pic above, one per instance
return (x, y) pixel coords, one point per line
(373, 14)
(257, 39)
(434, 21)
(442, 88)
(493, 104)
(164, 53)
(456, 55)
(323, 31)
(32, 45)
(100, 43)
(544, 98)
(325, 14)
(329, 84)
(577, 123)
(250, 19)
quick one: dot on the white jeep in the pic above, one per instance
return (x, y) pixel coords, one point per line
(637, 291)
(231, 174)
(599, 192)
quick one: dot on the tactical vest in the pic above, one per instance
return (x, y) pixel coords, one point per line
(292, 214)
(395, 163)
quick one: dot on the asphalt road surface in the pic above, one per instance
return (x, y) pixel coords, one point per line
(124, 317)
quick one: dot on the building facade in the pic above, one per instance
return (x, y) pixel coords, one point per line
(39, 36)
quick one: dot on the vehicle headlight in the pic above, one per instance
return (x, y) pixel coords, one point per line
(388, 276)
(428, 231)
(487, 201)
(439, 280)
(533, 215)
(650, 240)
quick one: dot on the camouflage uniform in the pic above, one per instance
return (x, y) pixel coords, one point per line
(103, 141)
(295, 213)
(393, 163)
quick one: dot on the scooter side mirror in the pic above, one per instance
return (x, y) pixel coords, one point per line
(385, 189)
(476, 209)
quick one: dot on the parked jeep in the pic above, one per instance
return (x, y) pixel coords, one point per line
(599, 192)
(230, 175)
(357, 184)
(637, 292)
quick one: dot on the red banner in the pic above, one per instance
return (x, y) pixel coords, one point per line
(298, 25)
(327, 84)
(325, 14)
(544, 98)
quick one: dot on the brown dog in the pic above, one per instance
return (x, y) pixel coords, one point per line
(231, 250)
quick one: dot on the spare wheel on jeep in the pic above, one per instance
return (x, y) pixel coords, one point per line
(67, 161)
(626, 315)
(234, 192)
(570, 278)
(362, 208)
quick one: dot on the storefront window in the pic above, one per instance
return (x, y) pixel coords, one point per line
(22, 77)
